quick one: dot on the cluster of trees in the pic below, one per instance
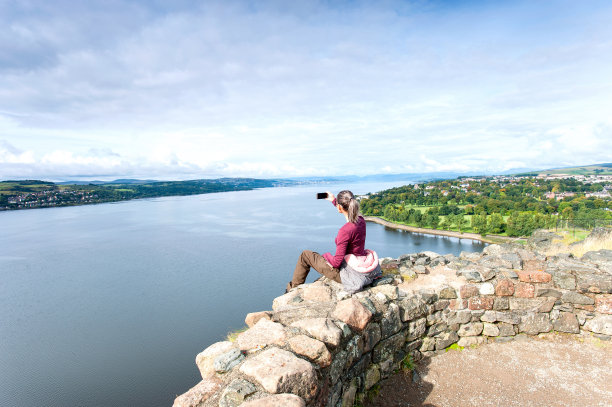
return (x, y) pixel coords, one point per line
(490, 207)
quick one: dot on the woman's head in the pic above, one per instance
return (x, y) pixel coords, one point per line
(347, 201)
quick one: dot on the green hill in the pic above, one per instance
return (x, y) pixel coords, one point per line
(594, 169)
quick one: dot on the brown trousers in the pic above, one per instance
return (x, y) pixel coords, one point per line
(312, 259)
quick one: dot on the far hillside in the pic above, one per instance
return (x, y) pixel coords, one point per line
(595, 169)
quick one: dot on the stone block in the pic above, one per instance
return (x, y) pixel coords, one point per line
(458, 304)
(372, 377)
(509, 317)
(428, 344)
(346, 330)
(428, 296)
(262, 334)
(594, 283)
(412, 308)
(487, 274)
(567, 322)
(313, 349)
(391, 322)
(470, 329)
(386, 368)
(289, 315)
(533, 265)
(441, 305)
(434, 318)
(205, 360)
(603, 305)
(480, 303)
(353, 313)
(354, 350)
(524, 290)
(437, 328)
(501, 303)
(468, 290)
(322, 329)
(534, 324)
(469, 341)
(476, 315)
(446, 339)
(278, 400)
(548, 292)
(533, 276)
(337, 367)
(459, 317)
(506, 329)
(416, 329)
(489, 316)
(317, 293)
(348, 396)
(371, 336)
(410, 346)
(280, 371)
(389, 291)
(541, 304)
(197, 395)
(575, 298)
(601, 324)
(564, 280)
(486, 289)
(387, 347)
(253, 317)
(448, 293)
(490, 329)
(291, 299)
(235, 393)
(227, 361)
(504, 287)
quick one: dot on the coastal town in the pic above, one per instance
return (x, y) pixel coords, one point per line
(512, 206)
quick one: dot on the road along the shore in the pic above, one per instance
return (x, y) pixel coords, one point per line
(449, 233)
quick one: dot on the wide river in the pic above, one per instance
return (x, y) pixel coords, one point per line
(108, 305)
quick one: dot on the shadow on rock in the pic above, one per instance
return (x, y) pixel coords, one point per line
(405, 389)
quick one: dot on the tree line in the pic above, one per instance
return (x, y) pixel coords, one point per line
(513, 207)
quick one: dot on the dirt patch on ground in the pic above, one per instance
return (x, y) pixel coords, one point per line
(439, 276)
(550, 370)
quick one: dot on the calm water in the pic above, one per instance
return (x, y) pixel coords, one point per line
(107, 305)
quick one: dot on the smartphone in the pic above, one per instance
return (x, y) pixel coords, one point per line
(322, 195)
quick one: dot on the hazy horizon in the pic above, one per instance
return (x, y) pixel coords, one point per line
(272, 89)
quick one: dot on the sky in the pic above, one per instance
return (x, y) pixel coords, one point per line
(199, 89)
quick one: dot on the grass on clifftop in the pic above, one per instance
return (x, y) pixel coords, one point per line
(231, 336)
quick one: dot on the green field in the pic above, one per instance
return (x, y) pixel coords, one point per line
(597, 169)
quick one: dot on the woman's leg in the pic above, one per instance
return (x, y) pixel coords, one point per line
(312, 259)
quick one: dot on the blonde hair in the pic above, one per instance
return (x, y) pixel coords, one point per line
(347, 200)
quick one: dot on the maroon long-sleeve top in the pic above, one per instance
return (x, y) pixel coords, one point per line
(350, 240)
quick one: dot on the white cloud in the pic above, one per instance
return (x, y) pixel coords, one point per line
(280, 89)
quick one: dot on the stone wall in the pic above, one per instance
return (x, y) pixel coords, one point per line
(318, 346)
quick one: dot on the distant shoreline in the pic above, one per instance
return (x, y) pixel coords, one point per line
(448, 233)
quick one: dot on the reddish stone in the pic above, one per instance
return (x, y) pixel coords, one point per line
(352, 313)
(468, 290)
(533, 276)
(603, 305)
(458, 304)
(254, 317)
(533, 265)
(504, 288)
(524, 290)
(477, 303)
(197, 395)
(280, 371)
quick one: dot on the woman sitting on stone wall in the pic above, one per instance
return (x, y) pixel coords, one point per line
(352, 265)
